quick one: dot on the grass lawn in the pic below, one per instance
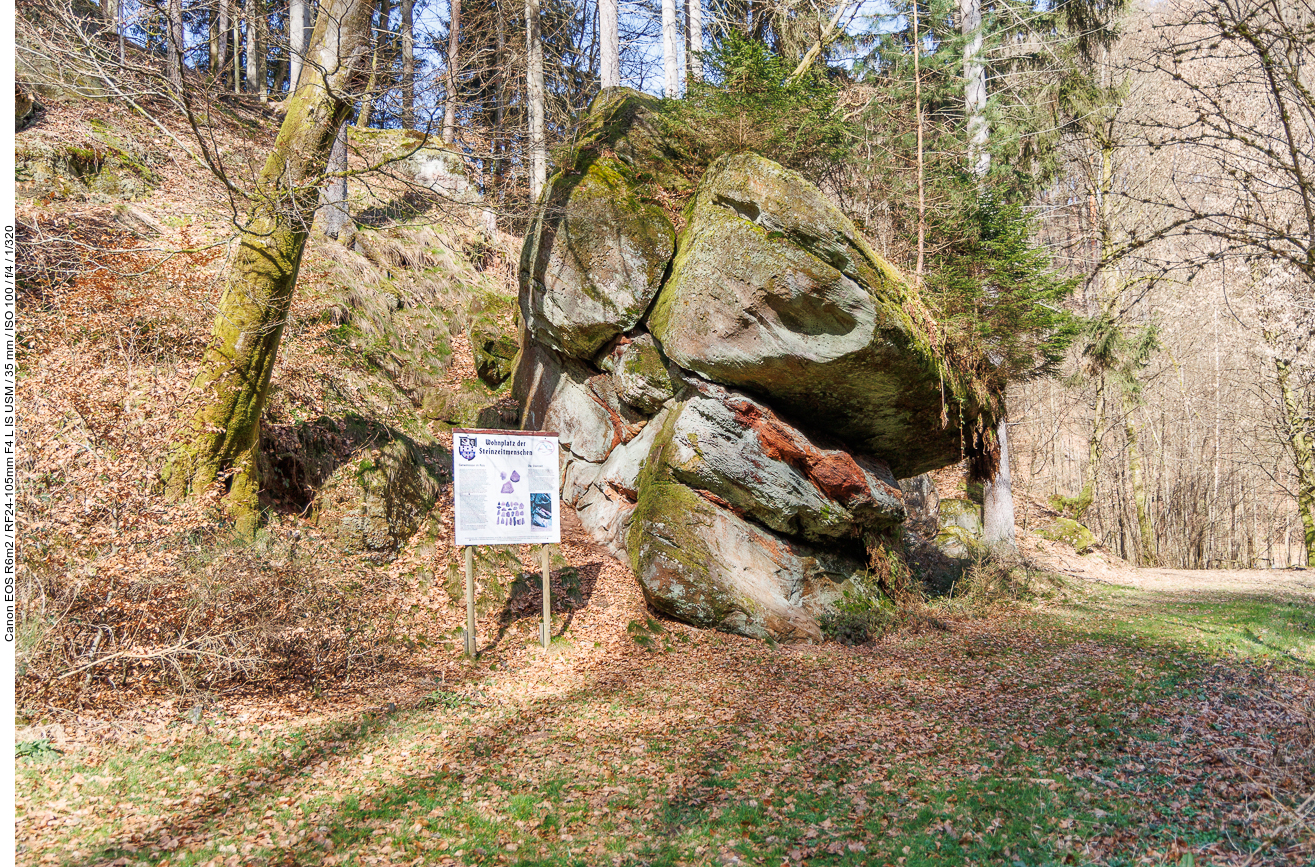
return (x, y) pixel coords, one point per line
(1116, 728)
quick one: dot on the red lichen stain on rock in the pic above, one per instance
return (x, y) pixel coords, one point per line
(779, 442)
(838, 476)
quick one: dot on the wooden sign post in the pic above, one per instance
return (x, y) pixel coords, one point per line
(506, 491)
(469, 635)
(545, 631)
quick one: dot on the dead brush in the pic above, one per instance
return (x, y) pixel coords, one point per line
(1000, 577)
(260, 613)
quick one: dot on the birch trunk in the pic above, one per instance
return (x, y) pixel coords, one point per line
(534, 92)
(670, 50)
(453, 61)
(222, 441)
(694, 39)
(609, 60)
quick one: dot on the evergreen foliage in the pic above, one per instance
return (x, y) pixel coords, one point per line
(997, 295)
(748, 103)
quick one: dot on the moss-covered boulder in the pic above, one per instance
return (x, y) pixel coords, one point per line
(416, 157)
(639, 374)
(774, 291)
(83, 171)
(1071, 533)
(597, 252)
(374, 502)
(494, 352)
(733, 419)
(959, 534)
(702, 563)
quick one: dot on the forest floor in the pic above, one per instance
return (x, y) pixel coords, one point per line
(1142, 717)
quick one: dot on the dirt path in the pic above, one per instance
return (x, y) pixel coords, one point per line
(1293, 585)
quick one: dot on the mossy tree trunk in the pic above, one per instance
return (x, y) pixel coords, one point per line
(1147, 555)
(223, 439)
(1296, 422)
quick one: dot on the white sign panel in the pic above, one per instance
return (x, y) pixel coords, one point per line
(505, 484)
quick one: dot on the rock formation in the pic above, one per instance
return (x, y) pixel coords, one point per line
(736, 399)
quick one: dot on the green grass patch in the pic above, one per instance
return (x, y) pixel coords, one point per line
(1239, 627)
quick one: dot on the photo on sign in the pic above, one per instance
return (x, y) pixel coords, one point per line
(541, 511)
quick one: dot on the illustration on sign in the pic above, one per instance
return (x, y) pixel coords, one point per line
(505, 486)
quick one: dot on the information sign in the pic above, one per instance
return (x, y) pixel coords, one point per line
(505, 486)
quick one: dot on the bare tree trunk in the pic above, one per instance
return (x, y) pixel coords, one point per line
(262, 49)
(917, 103)
(371, 85)
(296, 41)
(453, 61)
(282, 65)
(998, 517)
(998, 496)
(1088, 492)
(222, 441)
(221, 47)
(237, 49)
(1147, 555)
(1303, 455)
(212, 45)
(409, 64)
(609, 55)
(335, 216)
(974, 74)
(175, 46)
(535, 95)
(500, 109)
(670, 50)
(694, 39)
(251, 14)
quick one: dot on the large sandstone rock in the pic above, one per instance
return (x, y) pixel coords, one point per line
(604, 494)
(774, 291)
(640, 373)
(597, 252)
(740, 451)
(554, 394)
(733, 419)
(705, 565)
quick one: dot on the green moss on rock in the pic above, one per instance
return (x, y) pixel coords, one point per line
(1071, 533)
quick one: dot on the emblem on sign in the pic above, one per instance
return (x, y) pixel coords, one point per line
(466, 448)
